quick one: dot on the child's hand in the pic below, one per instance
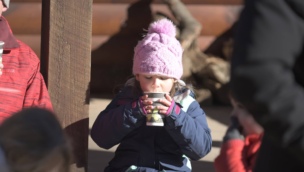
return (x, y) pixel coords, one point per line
(145, 104)
(162, 105)
(166, 103)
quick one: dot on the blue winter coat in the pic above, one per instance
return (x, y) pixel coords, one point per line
(185, 134)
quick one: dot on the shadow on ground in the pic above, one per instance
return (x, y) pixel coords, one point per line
(219, 113)
(100, 159)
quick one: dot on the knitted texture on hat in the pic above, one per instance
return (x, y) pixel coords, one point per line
(159, 53)
(6, 3)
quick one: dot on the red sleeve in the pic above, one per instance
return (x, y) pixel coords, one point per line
(37, 93)
(231, 157)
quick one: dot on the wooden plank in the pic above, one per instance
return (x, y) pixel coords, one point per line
(203, 41)
(214, 18)
(97, 40)
(228, 2)
(67, 48)
(25, 1)
(24, 18)
(108, 18)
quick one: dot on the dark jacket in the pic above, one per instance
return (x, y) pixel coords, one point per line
(184, 134)
(268, 78)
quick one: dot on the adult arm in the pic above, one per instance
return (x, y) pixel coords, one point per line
(231, 157)
(268, 43)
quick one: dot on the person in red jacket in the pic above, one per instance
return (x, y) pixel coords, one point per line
(21, 83)
(240, 143)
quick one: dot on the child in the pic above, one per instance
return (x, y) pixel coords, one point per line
(157, 67)
(32, 140)
(241, 142)
(21, 83)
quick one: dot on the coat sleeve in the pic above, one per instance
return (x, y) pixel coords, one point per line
(268, 43)
(190, 130)
(231, 157)
(119, 118)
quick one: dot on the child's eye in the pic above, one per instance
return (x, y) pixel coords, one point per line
(164, 78)
(148, 77)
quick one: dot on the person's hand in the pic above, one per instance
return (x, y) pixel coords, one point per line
(234, 131)
(145, 104)
(164, 106)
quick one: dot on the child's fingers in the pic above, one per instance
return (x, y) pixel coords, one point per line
(169, 98)
(167, 101)
(145, 100)
(144, 97)
(149, 107)
(162, 109)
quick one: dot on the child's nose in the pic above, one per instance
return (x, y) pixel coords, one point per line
(156, 82)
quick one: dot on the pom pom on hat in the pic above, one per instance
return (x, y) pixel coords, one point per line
(159, 53)
(163, 26)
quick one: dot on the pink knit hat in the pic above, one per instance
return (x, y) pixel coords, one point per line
(159, 52)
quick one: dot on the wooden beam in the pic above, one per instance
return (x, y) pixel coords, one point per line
(108, 18)
(215, 19)
(66, 42)
(228, 2)
(34, 41)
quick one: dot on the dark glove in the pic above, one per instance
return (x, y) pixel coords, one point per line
(234, 131)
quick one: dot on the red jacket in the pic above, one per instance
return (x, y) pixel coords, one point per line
(21, 83)
(238, 155)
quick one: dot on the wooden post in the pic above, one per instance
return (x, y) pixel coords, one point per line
(66, 64)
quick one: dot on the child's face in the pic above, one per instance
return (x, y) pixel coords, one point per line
(2, 8)
(155, 83)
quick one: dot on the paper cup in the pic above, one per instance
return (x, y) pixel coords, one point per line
(155, 118)
(1, 48)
